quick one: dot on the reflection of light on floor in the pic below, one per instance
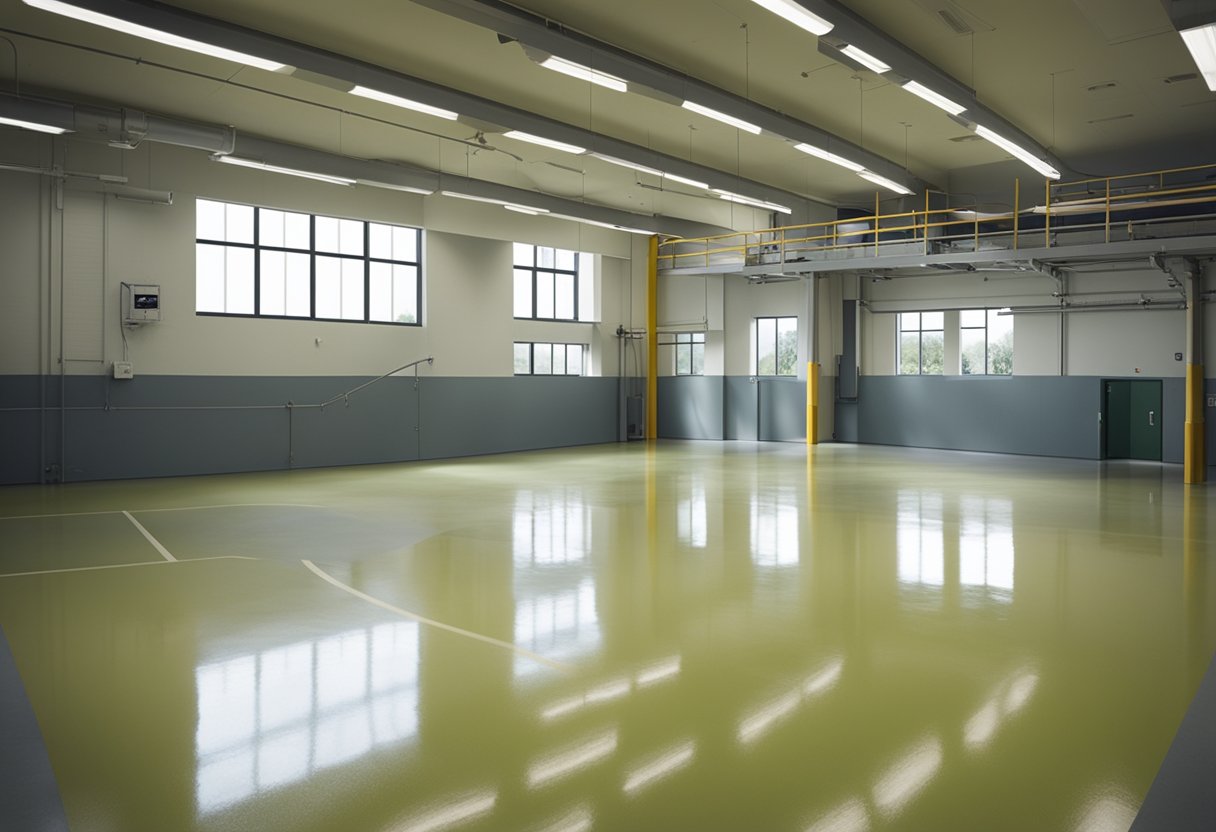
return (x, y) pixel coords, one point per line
(1108, 813)
(577, 820)
(986, 545)
(759, 722)
(775, 529)
(556, 625)
(1010, 697)
(551, 527)
(559, 764)
(615, 689)
(691, 515)
(662, 766)
(850, 816)
(908, 776)
(271, 718)
(919, 538)
(459, 809)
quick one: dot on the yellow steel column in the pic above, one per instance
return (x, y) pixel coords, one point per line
(652, 341)
(1194, 457)
(812, 403)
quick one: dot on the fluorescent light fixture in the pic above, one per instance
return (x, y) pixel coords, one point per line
(524, 209)
(936, 99)
(722, 117)
(730, 196)
(884, 182)
(404, 103)
(1019, 152)
(865, 59)
(830, 157)
(584, 73)
(408, 189)
(797, 15)
(32, 125)
(305, 174)
(543, 142)
(119, 25)
(1201, 41)
(684, 180)
(612, 160)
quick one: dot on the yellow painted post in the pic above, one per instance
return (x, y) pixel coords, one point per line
(1194, 457)
(1017, 198)
(926, 220)
(876, 209)
(812, 403)
(1108, 210)
(652, 341)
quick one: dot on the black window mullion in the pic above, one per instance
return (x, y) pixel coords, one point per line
(312, 266)
(257, 262)
(367, 273)
(576, 285)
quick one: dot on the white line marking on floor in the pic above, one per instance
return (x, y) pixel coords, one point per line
(118, 566)
(384, 605)
(163, 551)
(146, 510)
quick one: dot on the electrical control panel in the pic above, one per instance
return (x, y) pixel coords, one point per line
(140, 303)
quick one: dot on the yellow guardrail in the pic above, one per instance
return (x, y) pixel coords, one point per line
(1066, 206)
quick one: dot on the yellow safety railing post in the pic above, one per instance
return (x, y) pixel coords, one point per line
(652, 340)
(1108, 210)
(812, 401)
(877, 208)
(926, 220)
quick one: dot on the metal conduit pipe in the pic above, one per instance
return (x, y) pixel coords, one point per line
(1146, 304)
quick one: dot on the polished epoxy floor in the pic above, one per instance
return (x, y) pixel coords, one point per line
(698, 636)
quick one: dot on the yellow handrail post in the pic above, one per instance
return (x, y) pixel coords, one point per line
(926, 220)
(976, 245)
(876, 209)
(1108, 210)
(652, 340)
(1017, 194)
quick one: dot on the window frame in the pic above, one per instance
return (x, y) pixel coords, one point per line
(535, 270)
(532, 345)
(688, 342)
(920, 342)
(988, 313)
(777, 346)
(312, 252)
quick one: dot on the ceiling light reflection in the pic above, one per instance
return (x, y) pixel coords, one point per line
(662, 766)
(850, 816)
(459, 810)
(577, 820)
(563, 763)
(908, 776)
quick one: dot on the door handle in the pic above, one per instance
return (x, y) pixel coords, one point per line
(1151, 414)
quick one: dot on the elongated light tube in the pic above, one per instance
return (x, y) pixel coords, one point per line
(1201, 42)
(33, 125)
(730, 196)
(684, 180)
(797, 15)
(404, 103)
(722, 117)
(584, 73)
(148, 33)
(543, 142)
(884, 182)
(1018, 152)
(830, 157)
(934, 98)
(624, 163)
(305, 174)
(865, 59)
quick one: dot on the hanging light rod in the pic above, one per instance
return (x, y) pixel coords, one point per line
(404, 103)
(830, 157)
(649, 170)
(33, 125)
(798, 15)
(304, 174)
(519, 135)
(936, 99)
(1019, 152)
(730, 196)
(148, 33)
(585, 73)
(722, 117)
(865, 59)
(884, 182)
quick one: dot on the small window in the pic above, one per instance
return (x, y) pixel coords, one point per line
(986, 342)
(534, 358)
(777, 346)
(922, 343)
(690, 353)
(546, 283)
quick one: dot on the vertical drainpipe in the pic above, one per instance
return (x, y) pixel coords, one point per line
(1194, 455)
(652, 340)
(812, 364)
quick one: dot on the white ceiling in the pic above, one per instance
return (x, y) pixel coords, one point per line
(1032, 61)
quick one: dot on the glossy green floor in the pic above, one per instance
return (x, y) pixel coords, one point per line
(707, 636)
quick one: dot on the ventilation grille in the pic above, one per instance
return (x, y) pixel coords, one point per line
(955, 22)
(1178, 79)
(1105, 86)
(969, 137)
(1112, 118)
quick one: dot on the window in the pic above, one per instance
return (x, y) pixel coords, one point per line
(690, 353)
(546, 283)
(280, 264)
(776, 346)
(537, 359)
(922, 343)
(986, 342)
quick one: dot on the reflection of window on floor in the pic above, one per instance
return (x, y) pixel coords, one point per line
(774, 519)
(272, 718)
(985, 545)
(690, 514)
(919, 538)
(557, 625)
(551, 527)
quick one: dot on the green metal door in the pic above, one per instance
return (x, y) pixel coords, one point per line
(1117, 414)
(1145, 420)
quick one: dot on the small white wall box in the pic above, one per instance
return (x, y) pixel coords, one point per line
(140, 303)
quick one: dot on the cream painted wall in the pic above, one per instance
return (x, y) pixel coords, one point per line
(468, 319)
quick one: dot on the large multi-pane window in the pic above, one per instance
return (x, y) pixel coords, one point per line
(281, 264)
(986, 342)
(534, 358)
(690, 353)
(546, 283)
(922, 343)
(777, 346)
